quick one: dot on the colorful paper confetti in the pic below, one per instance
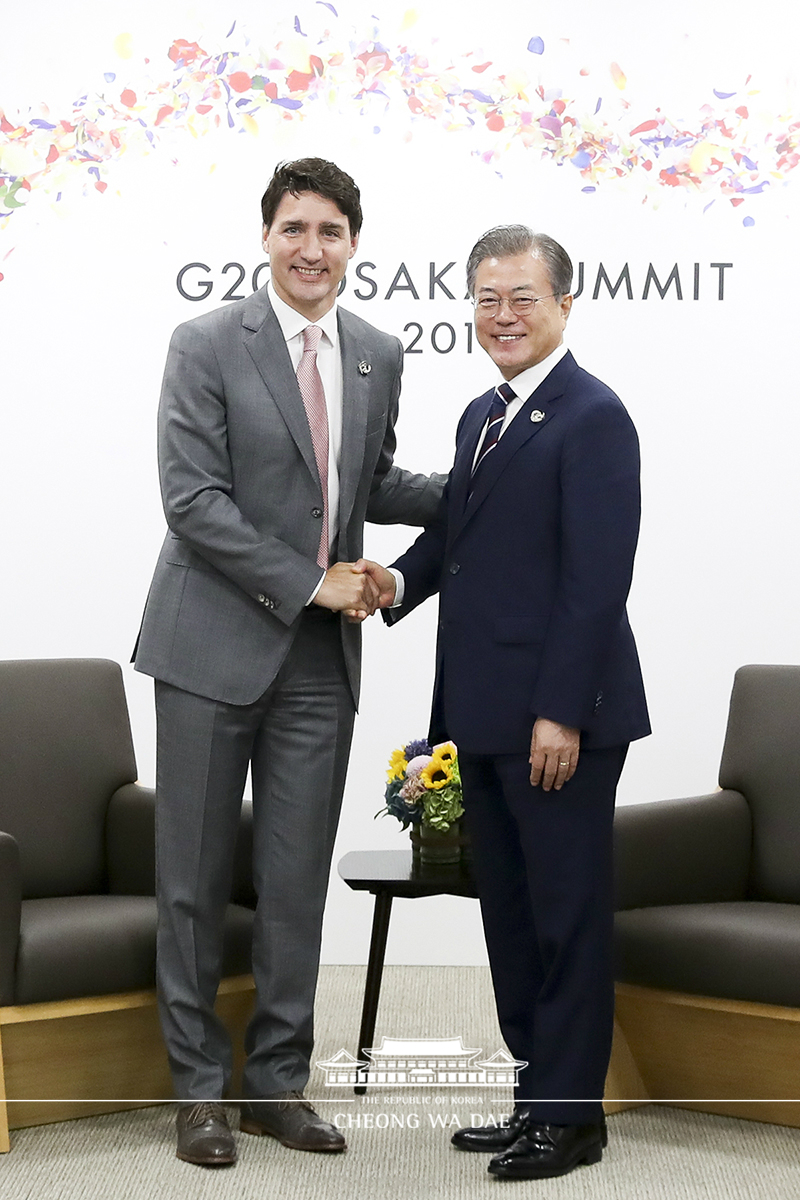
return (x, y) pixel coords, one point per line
(722, 151)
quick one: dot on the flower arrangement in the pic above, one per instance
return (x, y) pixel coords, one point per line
(424, 785)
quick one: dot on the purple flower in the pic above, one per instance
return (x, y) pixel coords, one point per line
(413, 749)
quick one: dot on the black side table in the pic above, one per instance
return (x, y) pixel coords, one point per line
(386, 874)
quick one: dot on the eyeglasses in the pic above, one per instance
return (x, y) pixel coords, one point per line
(520, 306)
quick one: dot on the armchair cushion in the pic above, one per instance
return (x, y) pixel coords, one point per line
(74, 946)
(740, 950)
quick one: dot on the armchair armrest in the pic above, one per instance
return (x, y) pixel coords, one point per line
(689, 851)
(131, 841)
(131, 846)
(10, 910)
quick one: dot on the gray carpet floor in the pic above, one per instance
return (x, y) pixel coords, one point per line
(654, 1153)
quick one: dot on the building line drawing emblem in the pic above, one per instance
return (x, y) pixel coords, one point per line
(422, 1062)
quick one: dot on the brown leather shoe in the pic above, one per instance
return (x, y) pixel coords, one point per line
(204, 1135)
(291, 1119)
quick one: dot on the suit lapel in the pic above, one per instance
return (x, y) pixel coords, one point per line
(474, 420)
(537, 411)
(264, 342)
(355, 410)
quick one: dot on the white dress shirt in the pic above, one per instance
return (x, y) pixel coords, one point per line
(524, 385)
(329, 364)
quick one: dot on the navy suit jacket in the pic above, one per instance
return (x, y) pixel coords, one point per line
(533, 572)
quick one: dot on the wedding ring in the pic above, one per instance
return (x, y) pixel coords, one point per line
(563, 764)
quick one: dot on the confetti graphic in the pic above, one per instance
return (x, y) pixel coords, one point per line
(733, 149)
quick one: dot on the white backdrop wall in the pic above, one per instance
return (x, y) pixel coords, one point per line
(661, 150)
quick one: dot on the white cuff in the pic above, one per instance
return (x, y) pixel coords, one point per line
(401, 587)
(310, 599)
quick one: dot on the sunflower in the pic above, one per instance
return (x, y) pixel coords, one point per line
(437, 774)
(397, 765)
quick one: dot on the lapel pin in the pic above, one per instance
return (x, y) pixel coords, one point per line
(537, 415)
(364, 367)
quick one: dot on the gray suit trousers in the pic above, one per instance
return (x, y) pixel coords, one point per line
(296, 738)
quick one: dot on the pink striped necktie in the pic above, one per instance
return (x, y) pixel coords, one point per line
(313, 394)
(497, 414)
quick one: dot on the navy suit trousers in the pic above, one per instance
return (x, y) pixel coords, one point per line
(543, 868)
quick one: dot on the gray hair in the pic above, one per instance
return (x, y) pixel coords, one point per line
(505, 241)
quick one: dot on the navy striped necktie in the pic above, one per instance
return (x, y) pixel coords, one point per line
(497, 414)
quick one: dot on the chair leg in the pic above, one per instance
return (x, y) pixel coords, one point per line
(5, 1143)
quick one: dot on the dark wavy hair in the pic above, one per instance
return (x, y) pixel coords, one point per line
(313, 175)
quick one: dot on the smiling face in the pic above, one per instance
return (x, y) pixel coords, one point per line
(514, 342)
(309, 246)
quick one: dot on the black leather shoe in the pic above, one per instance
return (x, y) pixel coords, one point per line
(491, 1138)
(545, 1150)
(291, 1119)
(204, 1135)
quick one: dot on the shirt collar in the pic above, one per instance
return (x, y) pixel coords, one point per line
(526, 383)
(293, 323)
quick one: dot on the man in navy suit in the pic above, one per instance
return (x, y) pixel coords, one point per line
(538, 683)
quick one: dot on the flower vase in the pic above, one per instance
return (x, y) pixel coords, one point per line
(435, 846)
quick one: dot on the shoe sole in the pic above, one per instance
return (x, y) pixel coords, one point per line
(496, 1149)
(500, 1146)
(261, 1131)
(206, 1162)
(593, 1155)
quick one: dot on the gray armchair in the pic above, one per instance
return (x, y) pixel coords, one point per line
(77, 904)
(708, 925)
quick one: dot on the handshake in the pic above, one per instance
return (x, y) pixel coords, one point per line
(356, 589)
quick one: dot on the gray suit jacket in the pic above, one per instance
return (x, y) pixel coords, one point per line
(243, 500)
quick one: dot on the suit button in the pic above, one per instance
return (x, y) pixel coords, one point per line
(316, 512)
(454, 568)
(261, 599)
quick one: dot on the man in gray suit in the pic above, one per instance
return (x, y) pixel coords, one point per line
(276, 439)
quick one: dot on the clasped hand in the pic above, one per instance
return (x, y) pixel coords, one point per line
(356, 589)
